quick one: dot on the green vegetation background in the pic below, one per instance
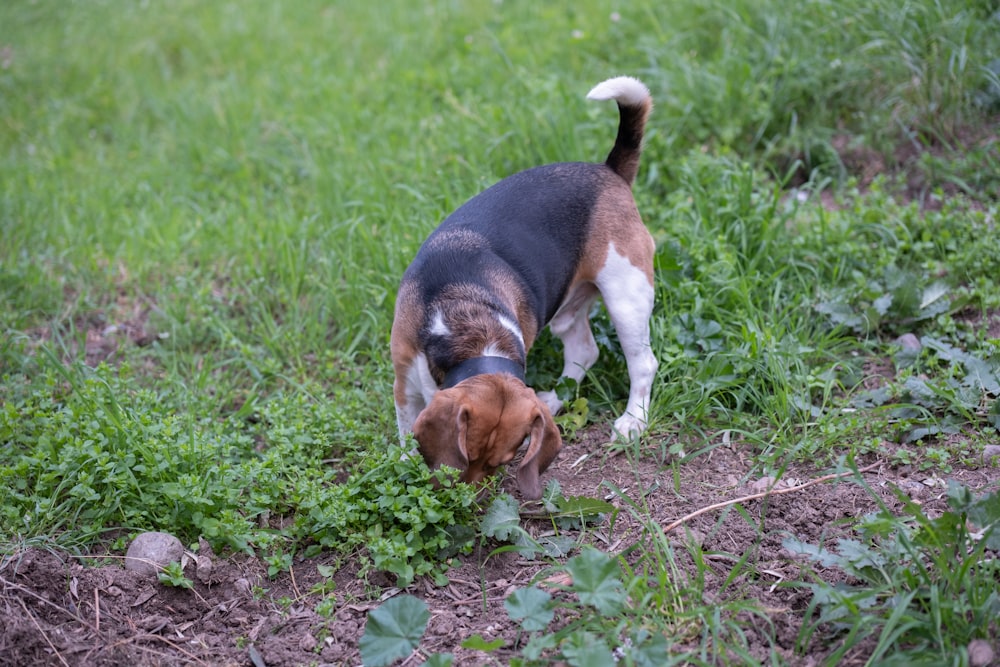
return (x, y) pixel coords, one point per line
(246, 182)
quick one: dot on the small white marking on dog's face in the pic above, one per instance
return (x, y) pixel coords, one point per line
(438, 327)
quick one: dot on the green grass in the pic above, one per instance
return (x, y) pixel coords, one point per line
(247, 182)
(927, 586)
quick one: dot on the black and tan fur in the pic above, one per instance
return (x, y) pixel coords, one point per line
(535, 249)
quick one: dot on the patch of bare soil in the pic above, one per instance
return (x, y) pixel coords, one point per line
(58, 611)
(102, 333)
(908, 163)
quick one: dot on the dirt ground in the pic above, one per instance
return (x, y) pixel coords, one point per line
(57, 610)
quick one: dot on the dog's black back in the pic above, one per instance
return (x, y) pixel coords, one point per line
(529, 227)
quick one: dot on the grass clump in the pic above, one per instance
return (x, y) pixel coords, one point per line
(786, 78)
(923, 587)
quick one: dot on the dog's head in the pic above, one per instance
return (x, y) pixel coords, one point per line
(479, 424)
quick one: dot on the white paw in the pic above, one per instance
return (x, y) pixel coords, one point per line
(550, 400)
(629, 427)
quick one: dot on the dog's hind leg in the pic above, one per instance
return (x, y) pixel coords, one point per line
(628, 295)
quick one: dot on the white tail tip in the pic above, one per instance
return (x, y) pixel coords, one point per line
(625, 90)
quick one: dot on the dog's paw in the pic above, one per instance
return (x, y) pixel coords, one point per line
(551, 400)
(629, 427)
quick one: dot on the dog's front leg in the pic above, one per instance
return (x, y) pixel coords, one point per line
(571, 325)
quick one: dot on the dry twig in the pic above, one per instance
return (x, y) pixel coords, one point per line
(764, 494)
(97, 610)
(136, 639)
(42, 633)
(28, 591)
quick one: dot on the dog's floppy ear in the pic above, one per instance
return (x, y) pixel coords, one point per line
(543, 446)
(442, 431)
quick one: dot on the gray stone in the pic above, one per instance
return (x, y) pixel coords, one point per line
(149, 553)
(980, 653)
(990, 451)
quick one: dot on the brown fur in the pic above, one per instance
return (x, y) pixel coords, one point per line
(403, 344)
(478, 426)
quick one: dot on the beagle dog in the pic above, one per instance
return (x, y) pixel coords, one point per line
(535, 249)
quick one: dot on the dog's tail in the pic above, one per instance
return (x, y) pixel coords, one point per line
(634, 105)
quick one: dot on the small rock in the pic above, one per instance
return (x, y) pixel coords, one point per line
(909, 342)
(990, 451)
(912, 488)
(243, 587)
(204, 548)
(204, 568)
(763, 484)
(980, 653)
(307, 642)
(149, 553)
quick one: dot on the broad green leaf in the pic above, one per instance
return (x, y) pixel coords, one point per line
(985, 513)
(993, 417)
(840, 600)
(537, 645)
(596, 580)
(905, 291)
(438, 660)
(502, 519)
(583, 649)
(981, 376)
(566, 388)
(649, 650)
(841, 313)
(584, 506)
(478, 643)
(557, 546)
(924, 431)
(960, 497)
(919, 389)
(858, 555)
(933, 294)
(811, 551)
(532, 606)
(942, 349)
(882, 304)
(393, 630)
(871, 399)
(552, 496)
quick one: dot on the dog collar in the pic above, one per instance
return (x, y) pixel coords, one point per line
(482, 366)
